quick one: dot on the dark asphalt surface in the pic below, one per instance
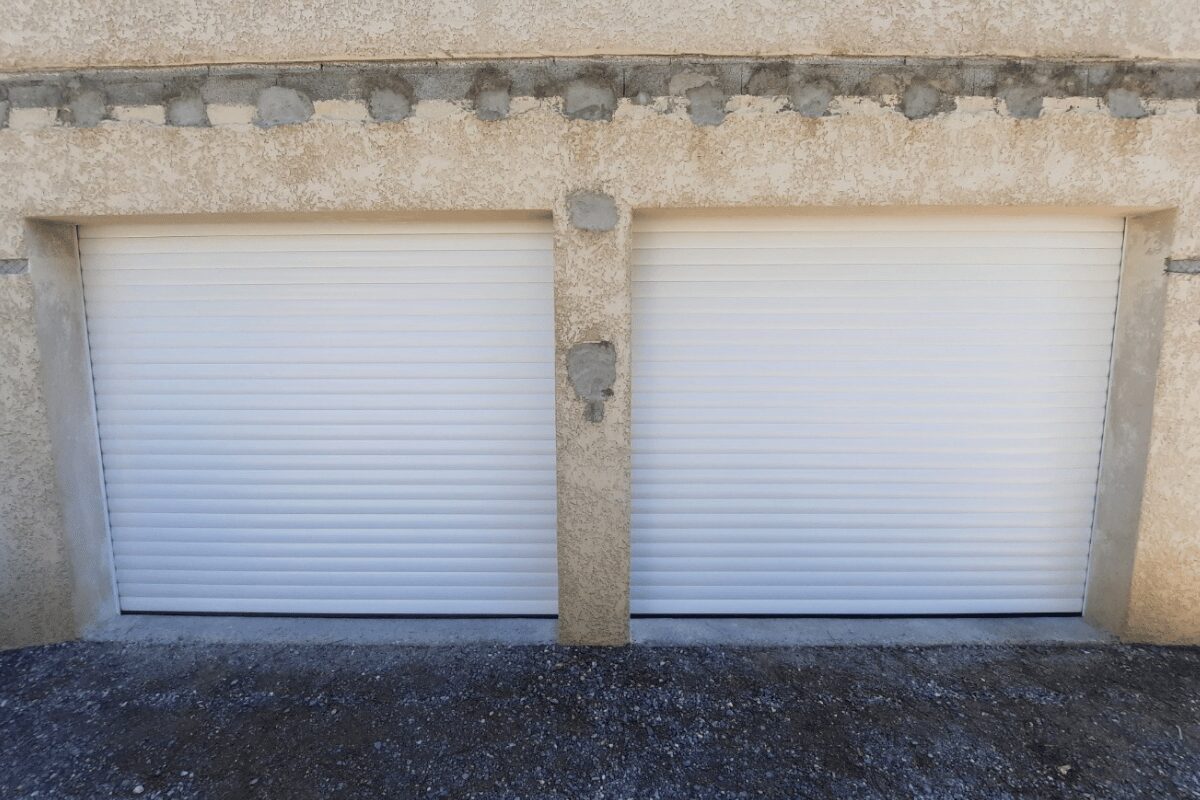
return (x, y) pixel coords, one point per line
(205, 721)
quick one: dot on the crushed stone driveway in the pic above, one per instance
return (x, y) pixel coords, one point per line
(93, 720)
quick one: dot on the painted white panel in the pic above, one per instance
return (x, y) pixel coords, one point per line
(327, 418)
(885, 414)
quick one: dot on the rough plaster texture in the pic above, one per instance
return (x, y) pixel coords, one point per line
(862, 154)
(592, 304)
(50, 34)
(1165, 604)
(35, 600)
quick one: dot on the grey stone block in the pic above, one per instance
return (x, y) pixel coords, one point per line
(590, 98)
(920, 100)
(1023, 102)
(35, 95)
(811, 99)
(1125, 104)
(490, 94)
(592, 211)
(390, 99)
(278, 105)
(86, 107)
(706, 104)
(187, 111)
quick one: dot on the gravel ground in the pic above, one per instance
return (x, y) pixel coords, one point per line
(256, 721)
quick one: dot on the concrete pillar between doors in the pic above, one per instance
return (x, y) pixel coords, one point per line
(592, 320)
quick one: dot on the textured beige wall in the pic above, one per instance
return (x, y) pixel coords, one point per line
(50, 34)
(444, 158)
(35, 604)
(1165, 604)
(592, 303)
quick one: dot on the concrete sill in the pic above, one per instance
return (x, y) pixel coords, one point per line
(676, 632)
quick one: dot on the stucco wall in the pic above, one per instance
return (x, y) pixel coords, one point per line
(35, 604)
(1165, 604)
(443, 157)
(51, 34)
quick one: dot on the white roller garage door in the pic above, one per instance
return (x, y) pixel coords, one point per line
(868, 415)
(327, 418)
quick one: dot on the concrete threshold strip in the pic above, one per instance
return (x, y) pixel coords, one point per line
(660, 632)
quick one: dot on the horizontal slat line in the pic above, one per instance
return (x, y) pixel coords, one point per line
(311, 461)
(326, 403)
(815, 581)
(346, 529)
(797, 286)
(732, 536)
(495, 564)
(289, 475)
(500, 224)
(123, 489)
(879, 263)
(424, 521)
(672, 491)
(399, 507)
(855, 594)
(336, 577)
(790, 365)
(283, 592)
(1079, 282)
(791, 413)
(477, 275)
(240, 563)
(793, 565)
(535, 241)
(1042, 553)
(789, 354)
(930, 234)
(292, 258)
(743, 222)
(407, 387)
(1039, 241)
(506, 431)
(404, 549)
(819, 384)
(886, 608)
(1034, 416)
(181, 543)
(439, 607)
(1056, 431)
(520, 341)
(789, 510)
